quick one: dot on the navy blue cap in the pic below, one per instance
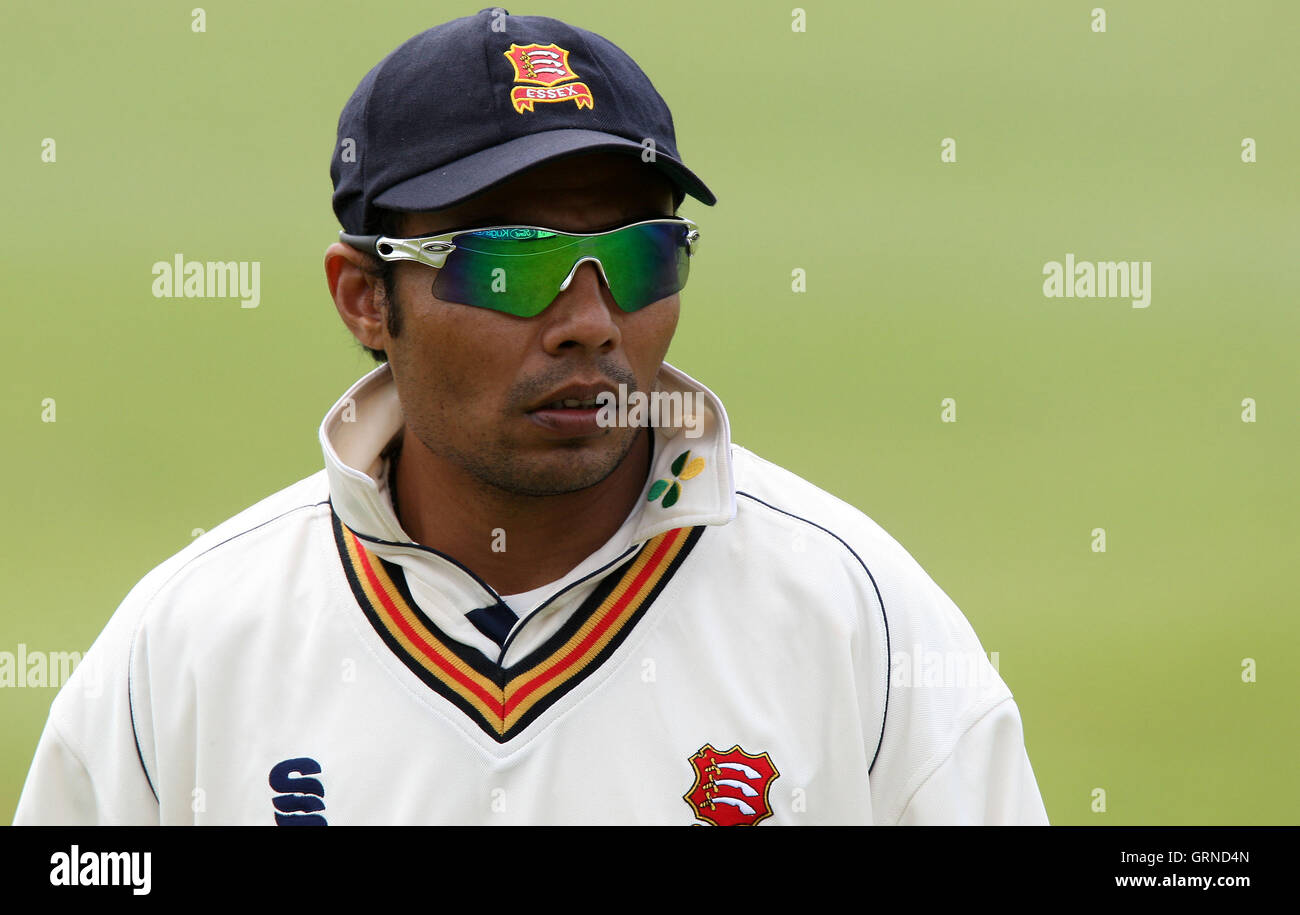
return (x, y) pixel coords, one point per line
(468, 104)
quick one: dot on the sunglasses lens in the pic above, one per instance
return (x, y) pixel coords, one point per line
(519, 270)
(646, 263)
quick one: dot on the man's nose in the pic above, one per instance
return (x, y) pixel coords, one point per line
(582, 313)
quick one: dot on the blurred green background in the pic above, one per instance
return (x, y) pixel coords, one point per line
(924, 281)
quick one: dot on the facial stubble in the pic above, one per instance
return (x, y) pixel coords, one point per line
(498, 459)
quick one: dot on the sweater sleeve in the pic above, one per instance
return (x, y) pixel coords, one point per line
(986, 780)
(88, 769)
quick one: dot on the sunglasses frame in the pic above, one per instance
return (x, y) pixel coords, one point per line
(432, 250)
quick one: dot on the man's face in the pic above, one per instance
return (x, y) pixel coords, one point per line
(473, 381)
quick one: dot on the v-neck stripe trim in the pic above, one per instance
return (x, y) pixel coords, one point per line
(504, 700)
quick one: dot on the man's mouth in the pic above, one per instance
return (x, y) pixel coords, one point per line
(571, 403)
(571, 412)
(577, 396)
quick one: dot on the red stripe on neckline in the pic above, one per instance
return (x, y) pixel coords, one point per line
(493, 702)
(578, 650)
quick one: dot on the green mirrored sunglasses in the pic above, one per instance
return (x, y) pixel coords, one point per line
(520, 270)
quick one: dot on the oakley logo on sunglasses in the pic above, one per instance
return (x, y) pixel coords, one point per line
(514, 232)
(546, 65)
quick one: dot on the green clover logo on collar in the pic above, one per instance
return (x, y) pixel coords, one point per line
(683, 469)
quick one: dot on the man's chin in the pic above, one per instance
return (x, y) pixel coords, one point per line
(574, 476)
(565, 467)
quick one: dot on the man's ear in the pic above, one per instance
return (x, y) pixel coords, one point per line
(356, 293)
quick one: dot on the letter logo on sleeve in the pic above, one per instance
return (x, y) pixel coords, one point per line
(731, 786)
(546, 66)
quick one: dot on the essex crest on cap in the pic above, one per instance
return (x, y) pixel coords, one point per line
(547, 65)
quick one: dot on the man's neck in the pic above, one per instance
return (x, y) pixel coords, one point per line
(514, 543)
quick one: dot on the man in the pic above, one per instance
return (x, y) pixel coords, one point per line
(516, 593)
